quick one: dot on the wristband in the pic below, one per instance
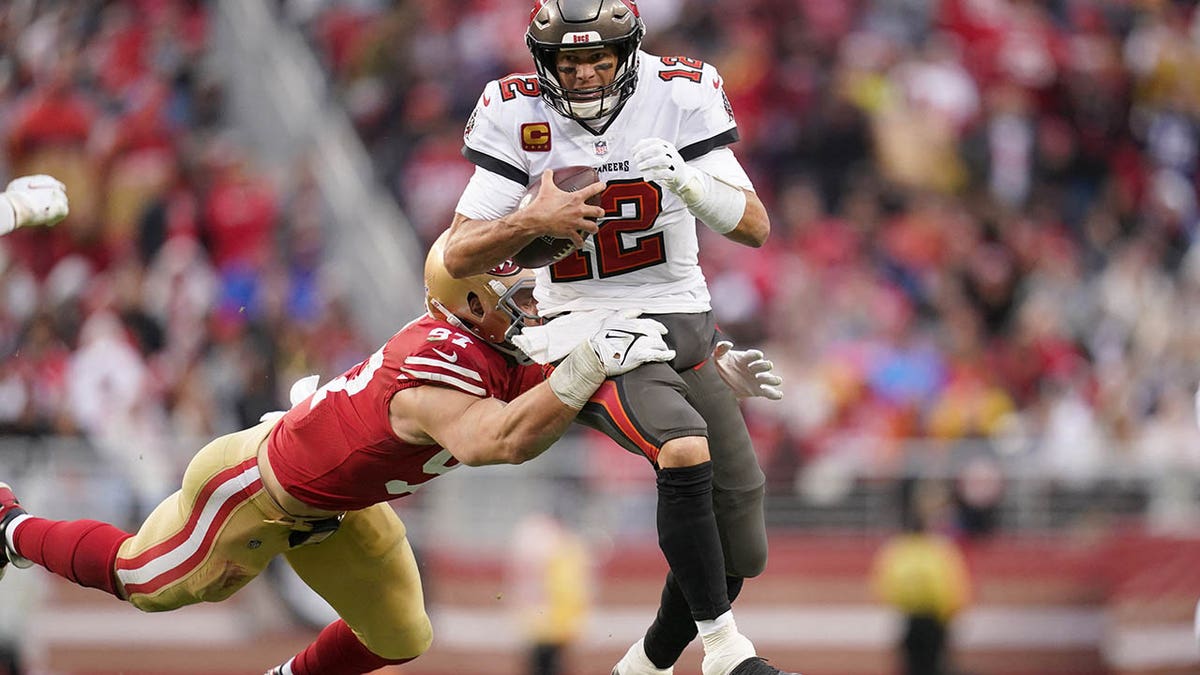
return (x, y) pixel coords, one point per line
(577, 376)
(717, 204)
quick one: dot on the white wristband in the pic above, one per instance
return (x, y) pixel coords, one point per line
(8, 215)
(577, 376)
(716, 203)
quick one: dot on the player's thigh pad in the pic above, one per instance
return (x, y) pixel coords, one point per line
(692, 336)
(643, 409)
(210, 538)
(366, 571)
(738, 481)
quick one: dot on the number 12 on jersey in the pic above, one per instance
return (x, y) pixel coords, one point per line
(630, 206)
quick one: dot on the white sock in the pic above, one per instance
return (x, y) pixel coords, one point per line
(286, 669)
(714, 625)
(724, 646)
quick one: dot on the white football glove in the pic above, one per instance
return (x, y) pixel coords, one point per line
(658, 160)
(624, 343)
(717, 204)
(36, 200)
(747, 372)
(621, 344)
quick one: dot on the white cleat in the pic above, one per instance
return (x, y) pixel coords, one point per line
(635, 662)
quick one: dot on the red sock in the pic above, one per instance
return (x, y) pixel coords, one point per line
(337, 651)
(83, 551)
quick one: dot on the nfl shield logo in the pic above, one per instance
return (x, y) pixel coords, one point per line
(601, 147)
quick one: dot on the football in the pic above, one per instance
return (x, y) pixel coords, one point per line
(546, 249)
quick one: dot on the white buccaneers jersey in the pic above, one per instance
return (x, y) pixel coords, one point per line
(647, 255)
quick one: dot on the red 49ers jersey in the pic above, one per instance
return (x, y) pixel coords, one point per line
(336, 450)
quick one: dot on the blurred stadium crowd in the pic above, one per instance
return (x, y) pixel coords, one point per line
(186, 284)
(984, 211)
(984, 215)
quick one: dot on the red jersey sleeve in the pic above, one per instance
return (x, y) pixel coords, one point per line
(337, 450)
(457, 362)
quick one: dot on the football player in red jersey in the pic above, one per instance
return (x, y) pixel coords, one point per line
(312, 484)
(657, 129)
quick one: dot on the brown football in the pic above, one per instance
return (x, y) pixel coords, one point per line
(546, 249)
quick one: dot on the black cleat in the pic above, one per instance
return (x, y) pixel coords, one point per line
(756, 665)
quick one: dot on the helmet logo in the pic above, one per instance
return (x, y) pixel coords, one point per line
(505, 269)
(581, 38)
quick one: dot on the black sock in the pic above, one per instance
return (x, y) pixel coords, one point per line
(687, 534)
(673, 629)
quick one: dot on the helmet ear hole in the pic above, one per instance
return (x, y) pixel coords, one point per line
(475, 305)
(482, 305)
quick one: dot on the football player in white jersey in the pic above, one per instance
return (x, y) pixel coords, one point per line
(657, 130)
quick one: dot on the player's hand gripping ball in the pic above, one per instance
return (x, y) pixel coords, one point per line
(548, 249)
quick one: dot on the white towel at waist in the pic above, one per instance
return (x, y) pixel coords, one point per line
(554, 340)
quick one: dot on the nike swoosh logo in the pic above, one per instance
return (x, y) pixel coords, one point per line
(624, 335)
(449, 357)
(486, 101)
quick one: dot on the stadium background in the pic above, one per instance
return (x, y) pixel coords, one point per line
(983, 274)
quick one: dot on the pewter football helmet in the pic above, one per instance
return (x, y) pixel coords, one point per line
(566, 24)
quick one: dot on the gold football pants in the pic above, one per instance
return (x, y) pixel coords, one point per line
(221, 529)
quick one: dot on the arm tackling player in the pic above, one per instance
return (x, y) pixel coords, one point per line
(311, 484)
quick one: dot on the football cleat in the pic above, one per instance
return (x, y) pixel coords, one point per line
(10, 508)
(635, 662)
(277, 670)
(756, 665)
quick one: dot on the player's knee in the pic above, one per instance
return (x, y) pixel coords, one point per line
(746, 561)
(406, 639)
(743, 531)
(150, 603)
(683, 452)
(215, 582)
